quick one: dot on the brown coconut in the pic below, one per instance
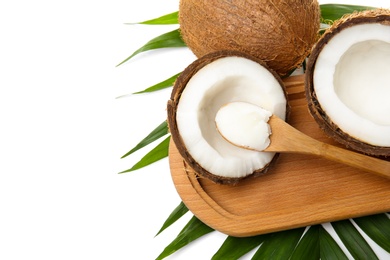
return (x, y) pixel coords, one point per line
(281, 33)
(379, 16)
(173, 103)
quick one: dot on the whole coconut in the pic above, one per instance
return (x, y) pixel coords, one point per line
(279, 32)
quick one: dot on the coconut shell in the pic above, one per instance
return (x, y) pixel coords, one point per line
(172, 105)
(281, 33)
(381, 16)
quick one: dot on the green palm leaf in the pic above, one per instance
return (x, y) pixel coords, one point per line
(353, 240)
(377, 227)
(159, 86)
(158, 132)
(332, 12)
(329, 249)
(192, 231)
(156, 87)
(317, 244)
(279, 245)
(174, 216)
(309, 246)
(167, 40)
(236, 247)
(171, 18)
(156, 154)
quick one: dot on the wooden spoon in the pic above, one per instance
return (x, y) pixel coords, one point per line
(286, 139)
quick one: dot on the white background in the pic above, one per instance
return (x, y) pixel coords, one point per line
(62, 131)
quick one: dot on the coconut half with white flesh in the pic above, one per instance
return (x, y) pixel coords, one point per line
(348, 82)
(200, 91)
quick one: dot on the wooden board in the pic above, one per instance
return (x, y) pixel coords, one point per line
(299, 191)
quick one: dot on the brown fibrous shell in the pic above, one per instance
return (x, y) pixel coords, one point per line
(281, 33)
(173, 103)
(380, 16)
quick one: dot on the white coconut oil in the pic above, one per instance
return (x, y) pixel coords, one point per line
(245, 125)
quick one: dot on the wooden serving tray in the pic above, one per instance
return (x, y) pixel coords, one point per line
(300, 190)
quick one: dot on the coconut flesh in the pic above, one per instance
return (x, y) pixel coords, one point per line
(200, 91)
(348, 82)
(245, 125)
(281, 33)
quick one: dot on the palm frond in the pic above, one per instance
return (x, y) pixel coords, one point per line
(179, 211)
(353, 240)
(314, 242)
(192, 231)
(158, 132)
(170, 39)
(171, 18)
(159, 86)
(157, 153)
(236, 247)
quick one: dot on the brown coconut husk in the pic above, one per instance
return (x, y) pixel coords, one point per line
(172, 105)
(381, 16)
(281, 33)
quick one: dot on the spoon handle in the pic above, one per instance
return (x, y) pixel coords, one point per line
(357, 160)
(296, 141)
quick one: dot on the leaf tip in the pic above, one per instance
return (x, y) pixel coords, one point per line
(122, 172)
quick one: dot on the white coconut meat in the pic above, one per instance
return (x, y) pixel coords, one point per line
(225, 80)
(244, 125)
(352, 82)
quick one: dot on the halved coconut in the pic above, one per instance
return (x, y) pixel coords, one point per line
(200, 91)
(348, 82)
